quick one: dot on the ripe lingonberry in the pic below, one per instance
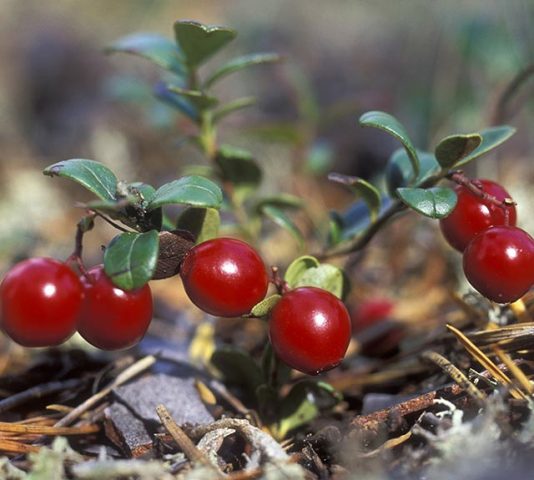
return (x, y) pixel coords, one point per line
(224, 277)
(41, 300)
(473, 214)
(112, 318)
(499, 263)
(310, 329)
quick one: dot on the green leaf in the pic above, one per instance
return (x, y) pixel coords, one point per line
(325, 276)
(279, 217)
(192, 190)
(130, 259)
(199, 42)
(298, 267)
(158, 49)
(143, 191)
(455, 147)
(202, 223)
(284, 201)
(199, 99)
(241, 63)
(231, 107)
(388, 123)
(306, 271)
(399, 170)
(435, 202)
(263, 308)
(303, 403)
(238, 167)
(179, 102)
(491, 138)
(363, 189)
(94, 176)
(237, 367)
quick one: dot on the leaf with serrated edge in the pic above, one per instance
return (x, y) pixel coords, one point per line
(455, 147)
(263, 308)
(94, 176)
(491, 138)
(192, 190)
(240, 63)
(199, 42)
(363, 189)
(388, 123)
(437, 202)
(130, 259)
(158, 49)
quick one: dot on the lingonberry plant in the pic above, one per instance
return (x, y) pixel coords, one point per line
(308, 324)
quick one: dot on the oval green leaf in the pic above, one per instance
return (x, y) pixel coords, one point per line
(279, 217)
(491, 138)
(94, 176)
(238, 167)
(241, 63)
(455, 147)
(263, 308)
(199, 42)
(130, 259)
(192, 190)
(435, 202)
(388, 123)
(237, 367)
(325, 276)
(158, 49)
(231, 107)
(367, 191)
(202, 223)
(285, 201)
(297, 268)
(199, 99)
(399, 170)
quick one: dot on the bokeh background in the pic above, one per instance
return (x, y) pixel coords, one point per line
(440, 67)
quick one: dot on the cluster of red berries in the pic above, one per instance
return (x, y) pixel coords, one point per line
(43, 302)
(309, 327)
(498, 257)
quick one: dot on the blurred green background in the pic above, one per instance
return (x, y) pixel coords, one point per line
(440, 67)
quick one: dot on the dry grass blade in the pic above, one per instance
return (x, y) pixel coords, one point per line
(389, 444)
(514, 370)
(6, 427)
(486, 362)
(456, 375)
(520, 311)
(191, 451)
(510, 337)
(10, 446)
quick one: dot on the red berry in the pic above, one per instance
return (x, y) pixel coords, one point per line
(499, 263)
(41, 301)
(112, 318)
(310, 330)
(224, 277)
(371, 312)
(472, 214)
